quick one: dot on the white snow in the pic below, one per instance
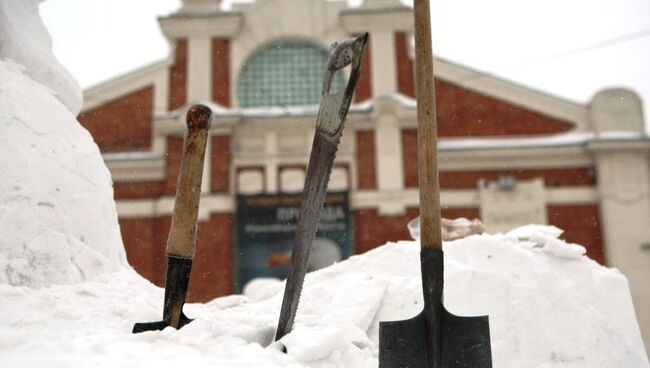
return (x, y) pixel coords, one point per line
(25, 40)
(545, 311)
(58, 222)
(70, 300)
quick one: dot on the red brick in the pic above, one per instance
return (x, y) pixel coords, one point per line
(220, 161)
(178, 76)
(465, 113)
(364, 84)
(366, 161)
(213, 268)
(221, 71)
(469, 179)
(123, 124)
(144, 241)
(373, 230)
(581, 225)
(405, 76)
(410, 157)
(174, 156)
(552, 177)
(135, 190)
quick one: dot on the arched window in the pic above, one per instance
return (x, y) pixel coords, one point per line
(286, 73)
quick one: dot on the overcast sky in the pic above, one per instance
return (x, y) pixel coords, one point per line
(568, 48)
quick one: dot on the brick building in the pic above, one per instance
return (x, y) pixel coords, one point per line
(508, 154)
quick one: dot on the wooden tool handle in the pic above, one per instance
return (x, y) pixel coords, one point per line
(430, 230)
(182, 234)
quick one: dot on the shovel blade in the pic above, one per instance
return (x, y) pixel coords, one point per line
(465, 343)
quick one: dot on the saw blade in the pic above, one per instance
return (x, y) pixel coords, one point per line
(329, 127)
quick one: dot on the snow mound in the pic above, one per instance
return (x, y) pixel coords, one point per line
(545, 311)
(25, 40)
(58, 222)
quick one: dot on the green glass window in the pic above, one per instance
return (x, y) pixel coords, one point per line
(288, 73)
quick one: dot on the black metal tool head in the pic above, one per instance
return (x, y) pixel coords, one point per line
(435, 338)
(176, 282)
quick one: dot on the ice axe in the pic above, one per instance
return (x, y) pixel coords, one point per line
(181, 243)
(434, 338)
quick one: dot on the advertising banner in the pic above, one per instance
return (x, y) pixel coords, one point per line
(265, 227)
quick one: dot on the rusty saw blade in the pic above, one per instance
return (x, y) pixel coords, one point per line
(329, 126)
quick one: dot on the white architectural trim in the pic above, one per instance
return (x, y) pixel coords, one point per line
(135, 167)
(317, 23)
(199, 65)
(155, 74)
(218, 24)
(398, 18)
(164, 206)
(467, 198)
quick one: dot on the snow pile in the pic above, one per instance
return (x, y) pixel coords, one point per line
(545, 311)
(58, 222)
(24, 39)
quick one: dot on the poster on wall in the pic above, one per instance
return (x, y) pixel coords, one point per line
(265, 227)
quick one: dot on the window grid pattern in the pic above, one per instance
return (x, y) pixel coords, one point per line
(285, 74)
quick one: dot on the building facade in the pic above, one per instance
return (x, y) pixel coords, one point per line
(508, 155)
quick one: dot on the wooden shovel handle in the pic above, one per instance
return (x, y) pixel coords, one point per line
(182, 234)
(430, 230)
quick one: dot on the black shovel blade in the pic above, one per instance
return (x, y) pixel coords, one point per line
(465, 342)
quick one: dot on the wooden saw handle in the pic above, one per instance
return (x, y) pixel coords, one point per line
(182, 234)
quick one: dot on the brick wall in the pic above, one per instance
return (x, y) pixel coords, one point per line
(469, 179)
(366, 160)
(465, 113)
(123, 124)
(144, 241)
(173, 159)
(212, 275)
(405, 76)
(364, 84)
(220, 164)
(213, 267)
(138, 190)
(372, 229)
(221, 71)
(178, 75)
(581, 225)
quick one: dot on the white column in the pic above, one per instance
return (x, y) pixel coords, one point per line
(388, 153)
(271, 167)
(383, 64)
(624, 190)
(206, 179)
(199, 73)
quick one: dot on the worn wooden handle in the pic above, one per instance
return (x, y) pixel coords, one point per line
(430, 230)
(182, 234)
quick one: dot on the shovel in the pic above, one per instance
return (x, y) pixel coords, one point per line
(181, 243)
(434, 338)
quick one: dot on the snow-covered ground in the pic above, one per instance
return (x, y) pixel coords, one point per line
(69, 299)
(549, 306)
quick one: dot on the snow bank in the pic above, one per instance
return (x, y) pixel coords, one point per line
(546, 310)
(25, 40)
(58, 222)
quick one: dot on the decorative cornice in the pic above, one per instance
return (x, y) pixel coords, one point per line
(216, 24)
(399, 18)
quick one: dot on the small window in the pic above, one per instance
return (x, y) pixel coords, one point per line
(287, 73)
